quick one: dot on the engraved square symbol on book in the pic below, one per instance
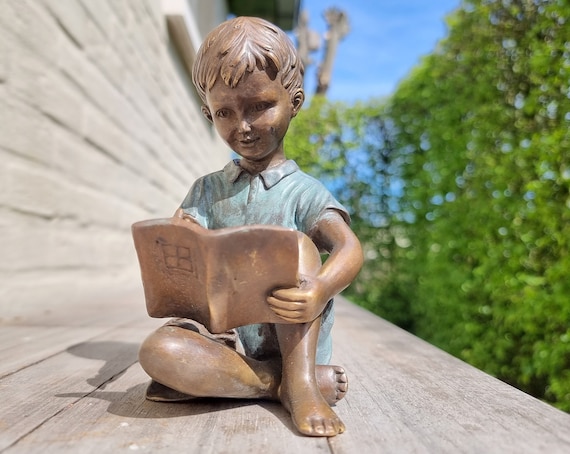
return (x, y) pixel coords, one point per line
(177, 257)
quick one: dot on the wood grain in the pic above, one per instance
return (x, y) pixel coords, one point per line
(79, 389)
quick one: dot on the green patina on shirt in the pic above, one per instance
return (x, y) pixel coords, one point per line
(282, 195)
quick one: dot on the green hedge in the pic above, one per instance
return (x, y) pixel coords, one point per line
(485, 120)
(459, 189)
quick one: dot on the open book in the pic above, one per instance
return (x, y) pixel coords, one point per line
(220, 278)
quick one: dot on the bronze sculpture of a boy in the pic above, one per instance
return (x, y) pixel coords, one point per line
(249, 77)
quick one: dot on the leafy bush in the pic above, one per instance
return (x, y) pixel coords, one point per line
(487, 184)
(459, 188)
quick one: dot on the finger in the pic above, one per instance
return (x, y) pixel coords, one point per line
(285, 305)
(292, 317)
(289, 294)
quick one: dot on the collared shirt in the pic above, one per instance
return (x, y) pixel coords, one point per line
(281, 195)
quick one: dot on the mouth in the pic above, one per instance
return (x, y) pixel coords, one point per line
(248, 141)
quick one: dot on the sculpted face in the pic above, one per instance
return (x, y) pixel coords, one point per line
(253, 117)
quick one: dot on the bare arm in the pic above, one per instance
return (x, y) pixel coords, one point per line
(334, 236)
(306, 302)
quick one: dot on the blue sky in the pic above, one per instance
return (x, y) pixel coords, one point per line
(387, 39)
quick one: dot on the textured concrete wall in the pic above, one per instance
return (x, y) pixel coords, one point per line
(99, 128)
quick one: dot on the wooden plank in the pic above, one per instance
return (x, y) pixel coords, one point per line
(118, 418)
(21, 346)
(32, 339)
(83, 403)
(405, 397)
(35, 394)
(408, 396)
(92, 310)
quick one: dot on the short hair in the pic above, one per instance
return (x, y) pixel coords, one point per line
(241, 44)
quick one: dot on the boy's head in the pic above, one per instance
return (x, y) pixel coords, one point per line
(241, 45)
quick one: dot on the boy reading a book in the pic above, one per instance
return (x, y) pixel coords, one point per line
(249, 77)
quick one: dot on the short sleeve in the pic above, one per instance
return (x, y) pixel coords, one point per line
(315, 202)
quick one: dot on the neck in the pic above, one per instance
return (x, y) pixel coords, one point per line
(255, 167)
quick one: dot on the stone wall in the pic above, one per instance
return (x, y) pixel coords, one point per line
(99, 128)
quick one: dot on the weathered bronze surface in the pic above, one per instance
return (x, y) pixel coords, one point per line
(215, 268)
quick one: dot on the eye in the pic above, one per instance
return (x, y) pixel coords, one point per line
(261, 106)
(223, 113)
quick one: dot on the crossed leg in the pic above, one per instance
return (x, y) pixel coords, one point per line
(196, 365)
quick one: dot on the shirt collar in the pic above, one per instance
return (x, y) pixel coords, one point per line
(270, 177)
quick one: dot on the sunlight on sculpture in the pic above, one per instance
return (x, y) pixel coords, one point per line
(239, 260)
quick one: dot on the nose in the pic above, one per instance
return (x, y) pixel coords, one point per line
(244, 126)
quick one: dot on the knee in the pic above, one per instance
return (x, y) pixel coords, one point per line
(169, 346)
(157, 350)
(309, 257)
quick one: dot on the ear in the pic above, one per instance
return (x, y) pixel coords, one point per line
(297, 100)
(206, 112)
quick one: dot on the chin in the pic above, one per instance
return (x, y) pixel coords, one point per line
(247, 154)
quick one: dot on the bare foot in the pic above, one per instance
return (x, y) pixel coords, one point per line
(332, 382)
(310, 412)
(311, 415)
